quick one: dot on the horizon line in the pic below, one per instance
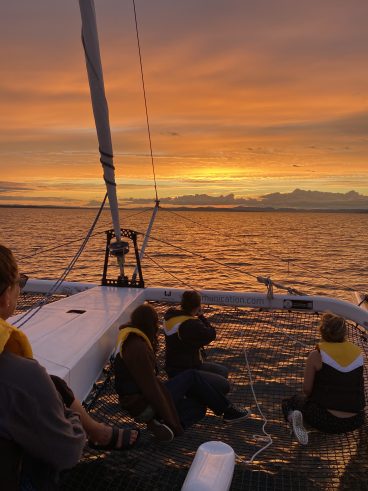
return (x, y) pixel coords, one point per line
(208, 208)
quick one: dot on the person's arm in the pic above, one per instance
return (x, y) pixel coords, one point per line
(140, 363)
(196, 332)
(40, 423)
(313, 364)
(203, 319)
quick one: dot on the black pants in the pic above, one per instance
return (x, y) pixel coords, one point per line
(319, 417)
(64, 390)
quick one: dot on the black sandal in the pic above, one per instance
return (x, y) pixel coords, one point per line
(125, 444)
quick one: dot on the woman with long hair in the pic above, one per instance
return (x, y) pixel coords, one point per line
(167, 407)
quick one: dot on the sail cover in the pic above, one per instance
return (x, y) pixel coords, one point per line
(99, 104)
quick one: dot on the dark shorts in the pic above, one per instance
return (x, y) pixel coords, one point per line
(64, 390)
(319, 417)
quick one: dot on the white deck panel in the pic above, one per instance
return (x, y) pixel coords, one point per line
(76, 346)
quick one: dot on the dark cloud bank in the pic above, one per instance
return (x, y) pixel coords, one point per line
(297, 199)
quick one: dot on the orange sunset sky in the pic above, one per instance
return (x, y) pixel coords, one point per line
(245, 97)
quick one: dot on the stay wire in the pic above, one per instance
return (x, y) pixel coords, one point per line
(63, 244)
(169, 273)
(239, 241)
(62, 278)
(200, 255)
(145, 98)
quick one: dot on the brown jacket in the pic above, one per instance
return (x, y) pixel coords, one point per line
(138, 363)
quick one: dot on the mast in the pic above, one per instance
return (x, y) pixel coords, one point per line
(100, 108)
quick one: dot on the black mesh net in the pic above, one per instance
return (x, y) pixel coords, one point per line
(276, 345)
(28, 301)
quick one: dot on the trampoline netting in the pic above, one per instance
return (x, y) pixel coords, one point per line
(276, 345)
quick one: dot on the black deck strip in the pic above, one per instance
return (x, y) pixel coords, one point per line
(276, 345)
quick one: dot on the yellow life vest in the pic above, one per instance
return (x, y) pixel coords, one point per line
(14, 340)
(123, 336)
(171, 326)
(343, 356)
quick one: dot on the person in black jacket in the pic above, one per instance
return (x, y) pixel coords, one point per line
(167, 407)
(187, 331)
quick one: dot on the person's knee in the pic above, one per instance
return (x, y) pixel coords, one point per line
(192, 374)
(226, 386)
(223, 371)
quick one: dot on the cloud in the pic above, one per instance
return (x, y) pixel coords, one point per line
(274, 88)
(316, 199)
(39, 199)
(170, 133)
(6, 187)
(299, 199)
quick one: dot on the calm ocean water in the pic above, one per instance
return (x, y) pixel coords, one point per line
(327, 250)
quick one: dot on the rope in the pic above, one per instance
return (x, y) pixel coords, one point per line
(145, 99)
(267, 437)
(365, 299)
(67, 270)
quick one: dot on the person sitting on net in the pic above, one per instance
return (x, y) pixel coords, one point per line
(41, 421)
(187, 331)
(168, 408)
(333, 387)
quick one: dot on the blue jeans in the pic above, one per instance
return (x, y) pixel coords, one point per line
(192, 393)
(214, 373)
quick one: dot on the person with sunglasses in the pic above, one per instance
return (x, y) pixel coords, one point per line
(42, 425)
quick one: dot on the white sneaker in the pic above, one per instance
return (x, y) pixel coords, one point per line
(299, 431)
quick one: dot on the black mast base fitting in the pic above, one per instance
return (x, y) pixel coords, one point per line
(119, 250)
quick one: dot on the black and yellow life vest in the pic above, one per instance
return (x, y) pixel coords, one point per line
(339, 384)
(172, 325)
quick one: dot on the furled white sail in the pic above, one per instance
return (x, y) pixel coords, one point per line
(99, 104)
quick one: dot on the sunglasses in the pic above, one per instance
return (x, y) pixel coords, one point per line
(23, 278)
(21, 281)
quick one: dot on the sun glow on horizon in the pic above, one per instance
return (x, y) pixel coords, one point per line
(246, 101)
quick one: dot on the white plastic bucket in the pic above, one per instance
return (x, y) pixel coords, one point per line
(212, 468)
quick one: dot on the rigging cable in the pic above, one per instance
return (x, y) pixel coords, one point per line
(201, 256)
(239, 241)
(145, 99)
(171, 274)
(62, 278)
(63, 244)
(154, 173)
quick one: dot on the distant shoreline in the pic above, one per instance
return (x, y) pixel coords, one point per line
(203, 209)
